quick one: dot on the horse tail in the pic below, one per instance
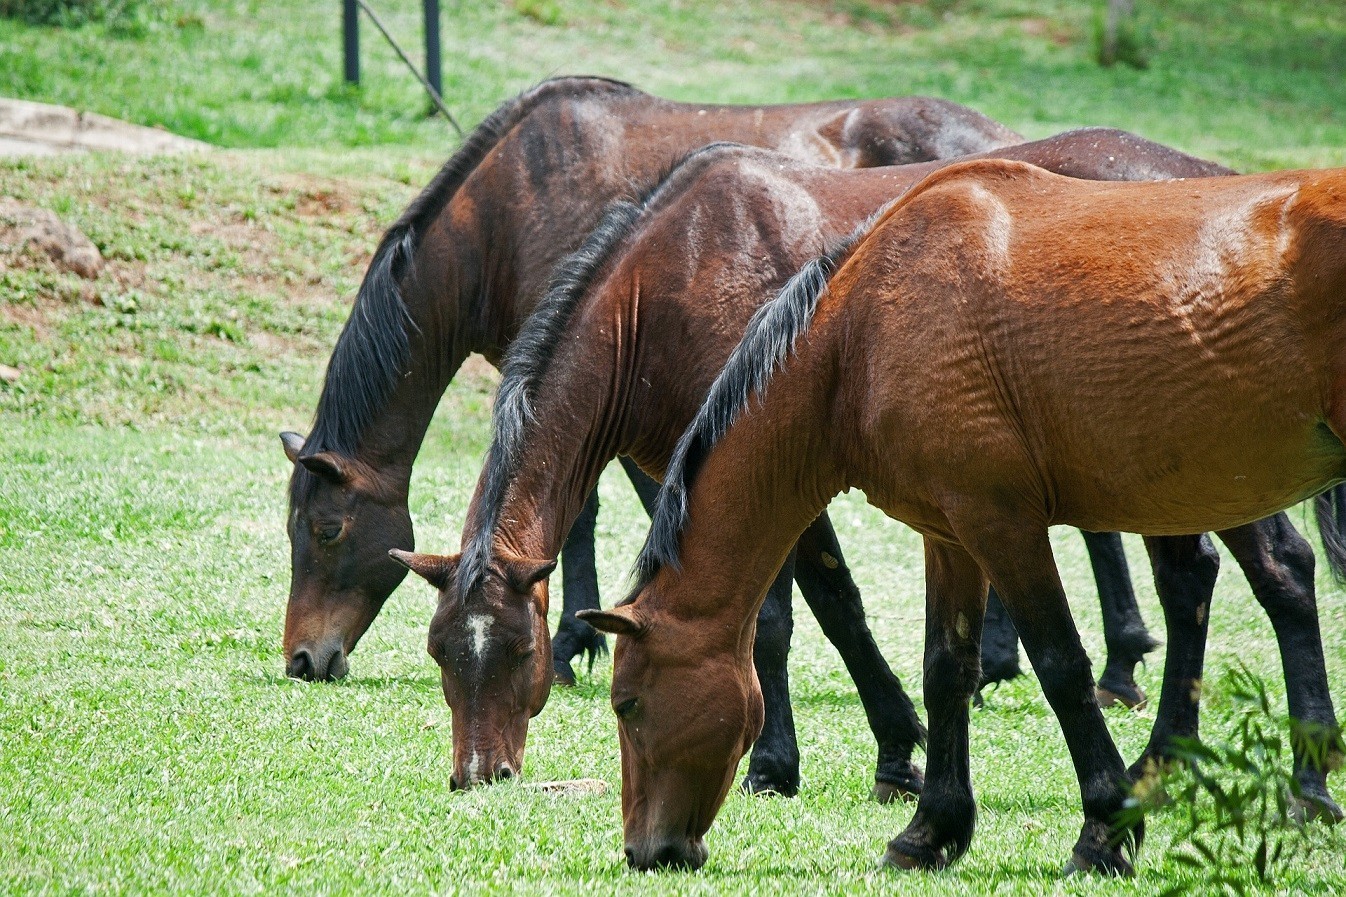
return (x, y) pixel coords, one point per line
(1330, 509)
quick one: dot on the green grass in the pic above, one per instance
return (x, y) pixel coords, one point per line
(1254, 85)
(148, 741)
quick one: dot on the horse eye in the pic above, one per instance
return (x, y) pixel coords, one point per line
(329, 533)
(625, 707)
(522, 657)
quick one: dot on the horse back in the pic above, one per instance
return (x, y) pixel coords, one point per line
(1109, 351)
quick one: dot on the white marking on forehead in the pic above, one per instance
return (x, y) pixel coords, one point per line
(480, 624)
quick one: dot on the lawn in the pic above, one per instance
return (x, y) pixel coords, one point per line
(148, 741)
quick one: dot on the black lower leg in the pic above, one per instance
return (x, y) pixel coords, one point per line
(834, 599)
(1185, 568)
(774, 764)
(1279, 563)
(946, 813)
(579, 578)
(1020, 563)
(1124, 629)
(999, 644)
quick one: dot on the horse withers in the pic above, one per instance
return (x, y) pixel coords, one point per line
(1000, 351)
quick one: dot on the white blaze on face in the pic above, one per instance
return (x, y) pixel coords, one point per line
(475, 766)
(481, 628)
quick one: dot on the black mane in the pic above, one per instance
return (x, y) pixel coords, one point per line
(373, 351)
(769, 340)
(529, 357)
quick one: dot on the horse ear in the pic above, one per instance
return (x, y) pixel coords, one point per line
(436, 569)
(294, 444)
(328, 465)
(521, 574)
(621, 620)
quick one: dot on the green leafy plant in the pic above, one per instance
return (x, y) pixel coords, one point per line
(1242, 804)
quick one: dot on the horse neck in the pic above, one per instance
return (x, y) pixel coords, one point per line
(577, 425)
(762, 484)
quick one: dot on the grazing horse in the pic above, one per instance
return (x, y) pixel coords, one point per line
(616, 361)
(1001, 350)
(461, 270)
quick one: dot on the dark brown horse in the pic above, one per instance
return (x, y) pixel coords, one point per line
(617, 360)
(1001, 350)
(461, 270)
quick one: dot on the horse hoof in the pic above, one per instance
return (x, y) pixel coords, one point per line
(888, 793)
(909, 858)
(897, 781)
(1130, 697)
(768, 787)
(564, 674)
(1112, 863)
(1316, 808)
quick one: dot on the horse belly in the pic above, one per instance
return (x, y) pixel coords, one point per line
(1205, 485)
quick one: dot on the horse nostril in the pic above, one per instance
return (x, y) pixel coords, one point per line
(630, 857)
(300, 666)
(504, 772)
(453, 783)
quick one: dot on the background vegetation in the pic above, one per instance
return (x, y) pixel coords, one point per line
(148, 740)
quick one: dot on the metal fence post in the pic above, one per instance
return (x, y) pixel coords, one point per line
(350, 30)
(432, 71)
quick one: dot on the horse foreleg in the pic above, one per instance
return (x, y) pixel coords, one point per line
(1185, 568)
(579, 583)
(1124, 629)
(774, 764)
(647, 488)
(1019, 561)
(1278, 562)
(834, 599)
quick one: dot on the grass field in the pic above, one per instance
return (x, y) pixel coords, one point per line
(148, 741)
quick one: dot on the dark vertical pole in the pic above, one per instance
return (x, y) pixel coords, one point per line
(432, 72)
(350, 30)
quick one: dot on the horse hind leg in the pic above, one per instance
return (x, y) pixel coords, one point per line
(832, 595)
(1124, 631)
(1279, 564)
(579, 578)
(946, 813)
(1185, 568)
(999, 646)
(773, 767)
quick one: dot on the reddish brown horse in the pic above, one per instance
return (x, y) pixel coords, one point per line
(1002, 350)
(618, 358)
(461, 270)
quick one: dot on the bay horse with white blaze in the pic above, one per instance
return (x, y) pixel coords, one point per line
(1001, 350)
(618, 358)
(461, 270)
